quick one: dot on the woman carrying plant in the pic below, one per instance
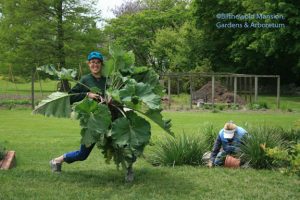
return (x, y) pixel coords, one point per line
(226, 143)
(114, 126)
(80, 91)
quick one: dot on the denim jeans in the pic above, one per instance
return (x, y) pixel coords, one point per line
(220, 158)
(78, 155)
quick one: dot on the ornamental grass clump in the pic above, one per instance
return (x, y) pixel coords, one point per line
(253, 145)
(290, 136)
(210, 134)
(182, 150)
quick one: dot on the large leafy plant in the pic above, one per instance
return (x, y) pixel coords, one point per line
(64, 75)
(119, 125)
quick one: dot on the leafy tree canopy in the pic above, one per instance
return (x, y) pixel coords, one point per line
(253, 50)
(136, 31)
(35, 33)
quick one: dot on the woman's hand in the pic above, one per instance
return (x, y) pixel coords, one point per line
(95, 96)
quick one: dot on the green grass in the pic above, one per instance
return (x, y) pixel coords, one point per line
(43, 86)
(37, 139)
(25, 88)
(287, 103)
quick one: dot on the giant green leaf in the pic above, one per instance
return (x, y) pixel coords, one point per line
(108, 68)
(95, 120)
(48, 69)
(134, 94)
(63, 74)
(156, 117)
(87, 137)
(100, 120)
(133, 131)
(57, 104)
(151, 78)
(86, 106)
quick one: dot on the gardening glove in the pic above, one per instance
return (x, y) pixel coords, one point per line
(210, 164)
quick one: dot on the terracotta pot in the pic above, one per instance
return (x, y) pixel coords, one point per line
(9, 160)
(232, 162)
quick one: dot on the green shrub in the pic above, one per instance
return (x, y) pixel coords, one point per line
(215, 111)
(221, 106)
(182, 150)
(285, 107)
(258, 106)
(234, 106)
(288, 159)
(207, 106)
(252, 148)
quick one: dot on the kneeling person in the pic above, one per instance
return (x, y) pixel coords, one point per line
(226, 143)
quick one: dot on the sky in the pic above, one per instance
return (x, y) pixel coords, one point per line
(106, 5)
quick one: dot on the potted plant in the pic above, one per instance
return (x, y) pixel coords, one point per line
(7, 158)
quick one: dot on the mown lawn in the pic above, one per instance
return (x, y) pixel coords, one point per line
(37, 139)
(7, 87)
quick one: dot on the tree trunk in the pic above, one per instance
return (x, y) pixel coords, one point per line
(60, 34)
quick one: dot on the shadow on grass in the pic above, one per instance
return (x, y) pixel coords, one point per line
(153, 177)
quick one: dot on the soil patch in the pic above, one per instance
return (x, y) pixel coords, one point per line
(222, 94)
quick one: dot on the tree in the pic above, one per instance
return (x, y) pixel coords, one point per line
(136, 31)
(47, 32)
(178, 48)
(129, 7)
(252, 50)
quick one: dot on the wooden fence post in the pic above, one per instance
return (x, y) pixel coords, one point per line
(250, 89)
(169, 92)
(212, 91)
(191, 91)
(178, 86)
(255, 88)
(32, 87)
(278, 92)
(234, 90)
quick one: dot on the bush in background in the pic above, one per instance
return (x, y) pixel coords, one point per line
(258, 106)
